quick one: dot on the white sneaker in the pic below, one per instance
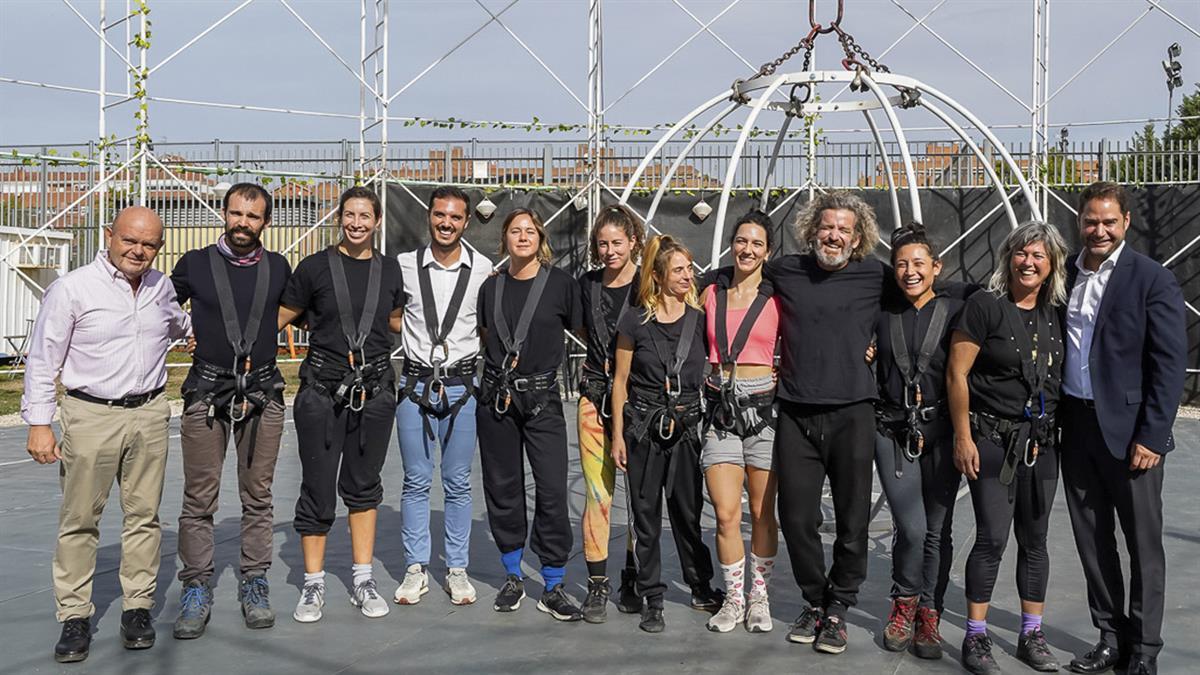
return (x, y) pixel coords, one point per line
(415, 584)
(732, 611)
(758, 615)
(366, 597)
(458, 586)
(312, 599)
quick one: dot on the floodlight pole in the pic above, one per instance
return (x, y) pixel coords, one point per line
(373, 122)
(102, 128)
(596, 144)
(143, 113)
(1039, 131)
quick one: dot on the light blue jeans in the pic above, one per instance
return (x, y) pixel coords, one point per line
(416, 452)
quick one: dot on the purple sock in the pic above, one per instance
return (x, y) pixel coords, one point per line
(1030, 622)
(976, 627)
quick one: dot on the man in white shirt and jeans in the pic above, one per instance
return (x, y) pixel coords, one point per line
(436, 407)
(104, 330)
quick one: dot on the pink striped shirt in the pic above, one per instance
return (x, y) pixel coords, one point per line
(100, 337)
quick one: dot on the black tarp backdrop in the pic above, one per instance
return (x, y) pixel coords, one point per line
(1165, 219)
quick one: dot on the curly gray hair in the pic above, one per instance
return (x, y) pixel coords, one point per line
(809, 221)
(1054, 289)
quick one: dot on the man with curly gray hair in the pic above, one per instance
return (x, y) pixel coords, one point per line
(829, 297)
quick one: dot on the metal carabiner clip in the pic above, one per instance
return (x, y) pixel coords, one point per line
(358, 392)
(237, 413)
(507, 402)
(670, 429)
(1030, 458)
(605, 408)
(915, 438)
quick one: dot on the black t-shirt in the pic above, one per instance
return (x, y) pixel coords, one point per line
(995, 380)
(193, 280)
(558, 310)
(611, 301)
(915, 323)
(311, 289)
(648, 369)
(826, 321)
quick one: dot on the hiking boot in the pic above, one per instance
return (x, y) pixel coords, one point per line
(758, 614)
(898, 632)
(312, 599)
(652, 618)
(707, 599)
(804, 629)
(1033, 650)
(74, 641)
(628, 601)
(366, 597)
(137, 630)
(458, 587)
(414, 585)
(832, 637)
(254, 594)
(558, 604)
(595, 605)
(927, 642)
(977, 655)
(732, 612)
(510, 595)
(195, 609)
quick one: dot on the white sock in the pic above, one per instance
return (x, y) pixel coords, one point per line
(315, 578)
(362, 572)
(735, 580)
(760, 574)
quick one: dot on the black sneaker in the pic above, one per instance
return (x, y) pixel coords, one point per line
(74, 642)
(595, 605)
(831, 639)
(652, 619)
(977, 655)
(137, 631)
(707, 599)
(558, 604)
(804, 629)
(510, 595)
(1033, 650)
(628, 601)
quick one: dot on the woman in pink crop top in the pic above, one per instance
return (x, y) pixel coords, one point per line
(743, 327)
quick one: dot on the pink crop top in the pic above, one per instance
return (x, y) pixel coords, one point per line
(760, 346)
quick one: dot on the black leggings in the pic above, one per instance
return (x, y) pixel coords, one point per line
(504, 441)
(1023, 507)
(341, 453)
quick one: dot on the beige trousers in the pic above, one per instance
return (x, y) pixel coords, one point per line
(100, 445)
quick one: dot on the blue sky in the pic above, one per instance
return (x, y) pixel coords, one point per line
(264, 56)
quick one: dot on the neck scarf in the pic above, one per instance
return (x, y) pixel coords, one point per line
(237, 259)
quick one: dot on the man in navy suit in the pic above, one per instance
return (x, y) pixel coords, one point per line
(1122, 381)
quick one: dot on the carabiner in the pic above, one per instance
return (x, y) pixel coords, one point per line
(915, 437)
(361, 397)
(507, 402)
(670, 432)
(238, 413)
(1030, 458)
(604, 407)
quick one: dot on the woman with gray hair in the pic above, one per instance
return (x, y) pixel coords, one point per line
(1003, 381)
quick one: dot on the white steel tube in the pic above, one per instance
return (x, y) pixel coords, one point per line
(887, 164)
(687, 149)
(914, 196)
(687, 119)
(983, 159)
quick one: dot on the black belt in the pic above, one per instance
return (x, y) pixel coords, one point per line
(1020, 438)
(349, 386)
(1088, 403)
(132, 401)
(500, 388)
(727, 410)
(908, 428)
(432, 400)
(234, 395)
(597, 387)
(671, 422)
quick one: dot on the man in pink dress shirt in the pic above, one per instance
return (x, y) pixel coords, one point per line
(103, 331)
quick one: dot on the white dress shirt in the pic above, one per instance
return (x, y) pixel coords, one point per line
(463, 340)
(1082, 307)
(100, 337)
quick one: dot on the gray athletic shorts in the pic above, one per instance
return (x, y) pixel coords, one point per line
(728, 448)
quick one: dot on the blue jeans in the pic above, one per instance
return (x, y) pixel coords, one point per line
(416, 452)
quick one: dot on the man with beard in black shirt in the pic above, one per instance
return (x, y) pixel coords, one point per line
(829, 298)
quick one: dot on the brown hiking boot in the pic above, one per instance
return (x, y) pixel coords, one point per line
(927, 643)
(898, 633)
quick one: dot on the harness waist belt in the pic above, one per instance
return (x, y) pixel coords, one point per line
(132, 401)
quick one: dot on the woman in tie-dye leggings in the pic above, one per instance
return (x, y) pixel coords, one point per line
(614, 247)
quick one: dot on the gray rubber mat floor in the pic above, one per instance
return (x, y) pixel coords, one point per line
(437, 637)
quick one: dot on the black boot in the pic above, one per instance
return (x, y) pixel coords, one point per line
(652, 616)
(628, 601)
(137, 631)
(74, 642)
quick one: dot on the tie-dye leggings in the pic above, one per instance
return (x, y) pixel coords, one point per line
(599, 480)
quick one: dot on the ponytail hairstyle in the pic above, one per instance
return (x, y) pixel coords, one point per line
(656, 258)
(618, 215)
(912, 233)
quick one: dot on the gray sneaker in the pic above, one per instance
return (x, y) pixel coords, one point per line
(732, 611)
(254, 594)
(195, 609)
(366, 597)
(414, 585)
(458, 586)
(312, 599)
(758, 615)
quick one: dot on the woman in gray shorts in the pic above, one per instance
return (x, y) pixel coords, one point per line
(742, 330)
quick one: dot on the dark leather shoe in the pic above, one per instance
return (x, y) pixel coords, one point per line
(74, 642)
(137, 631)
(1100, 659)
(1142, 665)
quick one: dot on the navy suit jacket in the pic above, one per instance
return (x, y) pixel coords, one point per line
(1138, 359)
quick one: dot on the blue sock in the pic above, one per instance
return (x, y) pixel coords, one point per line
(553, 576)
(1030, 622)
(512, 561)
(976, 627)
